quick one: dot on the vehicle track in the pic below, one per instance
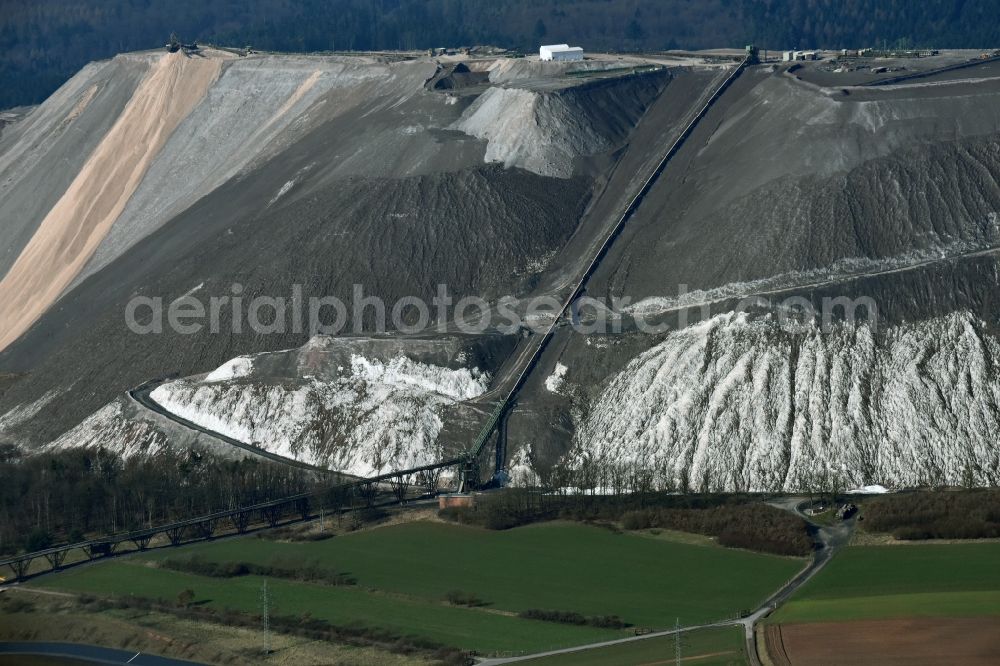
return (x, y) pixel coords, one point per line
(819, 284)
(141, 396)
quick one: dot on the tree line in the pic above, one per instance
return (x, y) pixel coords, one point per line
(306, 572)
(305, 626)
(64, 496)
(735, 520)
(944, 514)
(44, 43)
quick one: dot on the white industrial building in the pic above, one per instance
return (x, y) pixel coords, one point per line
(560, 52)
(789, 56)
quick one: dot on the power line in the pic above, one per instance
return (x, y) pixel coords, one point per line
(266, 613)
(677, 642)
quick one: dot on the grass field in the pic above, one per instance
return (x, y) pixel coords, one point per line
(58, 618)
(722, 646)
(872, 582)
(449, 625)
(404, 572)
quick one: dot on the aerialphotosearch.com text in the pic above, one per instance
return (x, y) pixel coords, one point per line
(236, 311)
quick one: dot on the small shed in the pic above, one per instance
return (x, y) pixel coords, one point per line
(453, 500)
(560, 52)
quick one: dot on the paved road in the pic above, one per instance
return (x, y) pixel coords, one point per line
(90, 654)
(830, 539)
(591, 646)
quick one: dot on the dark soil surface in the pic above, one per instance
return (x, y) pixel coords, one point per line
(930, 641)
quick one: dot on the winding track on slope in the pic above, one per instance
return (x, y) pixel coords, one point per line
(798, 288)
(141, 396)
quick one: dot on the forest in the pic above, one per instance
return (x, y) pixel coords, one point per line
(44, 43)
(66, 496)
(63, 496)
(946, 514)
(736, 521)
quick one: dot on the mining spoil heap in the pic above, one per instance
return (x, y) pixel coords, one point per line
(181, 174)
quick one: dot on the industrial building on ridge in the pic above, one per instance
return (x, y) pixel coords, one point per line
(791, 56)
(560, 52)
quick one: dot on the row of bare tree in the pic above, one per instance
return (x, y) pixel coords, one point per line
(66, 495)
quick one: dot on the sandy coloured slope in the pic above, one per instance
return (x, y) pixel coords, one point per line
(250, 104)
(75, 226)
(42, 154)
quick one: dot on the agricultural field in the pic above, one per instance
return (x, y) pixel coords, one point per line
(873, 582)
(403, 575)
(969, 641)
(32, 616)
(904, 604)
(723, 646)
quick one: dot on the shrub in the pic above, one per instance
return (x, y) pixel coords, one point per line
(310, 572)
(17, 604)
(571, 617)
(752, 526)
(459, 598)
(746, 524)
(562, 617)
(38, 539)
(911, 533)
(185, 598)
(608, 622)
(316, 536)
(637, 520)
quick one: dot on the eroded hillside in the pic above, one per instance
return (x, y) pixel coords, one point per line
(275, 174)
(505, 178)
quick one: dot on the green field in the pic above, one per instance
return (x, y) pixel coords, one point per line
(404, 572)
(460, 627)
(871, 582)
(723, 646)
